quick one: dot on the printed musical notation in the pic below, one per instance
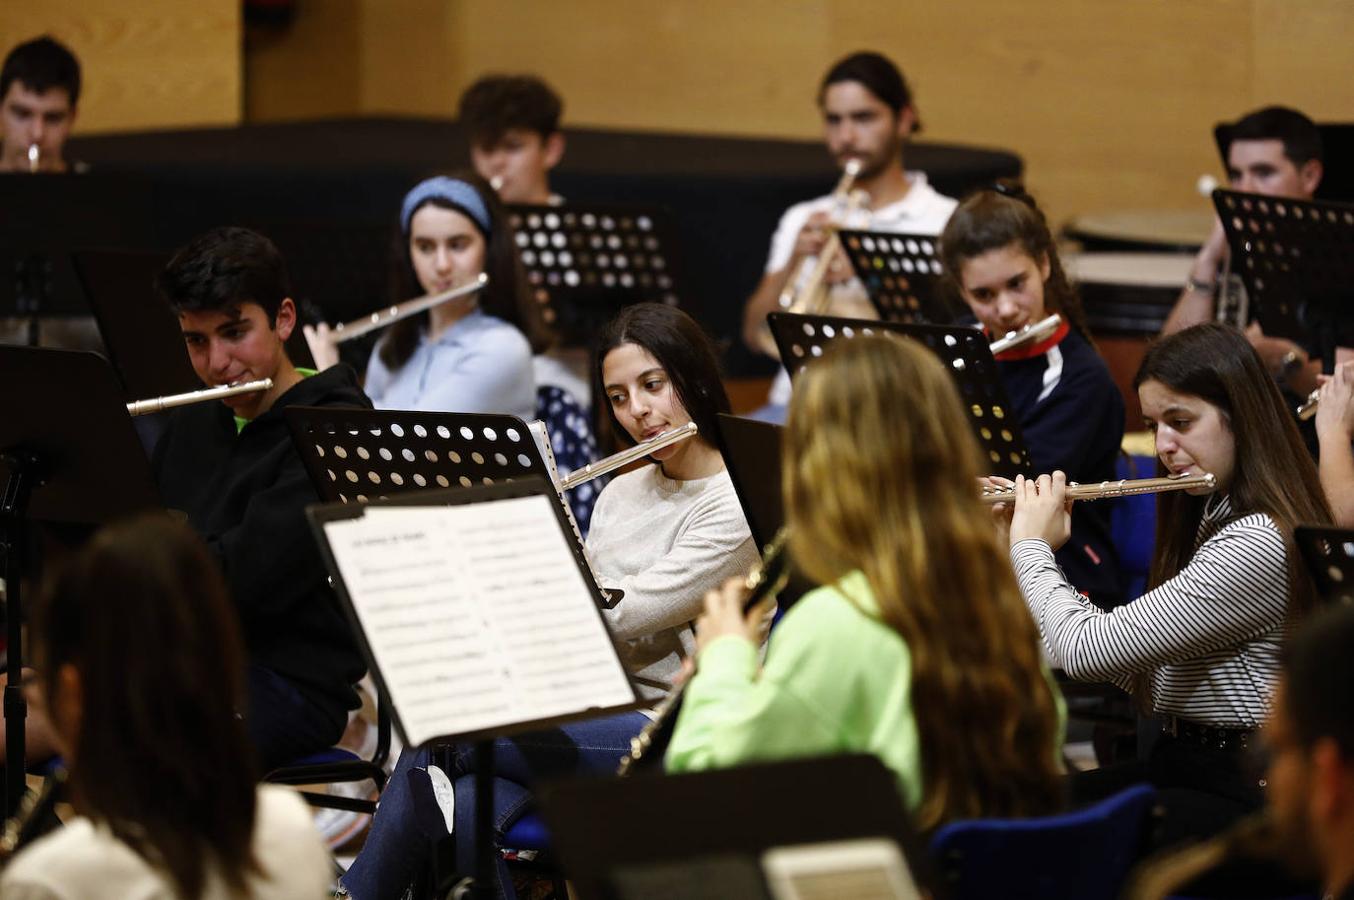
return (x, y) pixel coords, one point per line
(477, 615)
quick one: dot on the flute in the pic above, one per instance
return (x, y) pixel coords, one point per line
(155, 404)
(358, 327)
(1041, 329)
(616, 460)
(34, 158)
(1121, 488)
(766, 579)
(1309, 406)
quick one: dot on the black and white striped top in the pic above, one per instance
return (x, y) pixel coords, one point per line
(1209, 637)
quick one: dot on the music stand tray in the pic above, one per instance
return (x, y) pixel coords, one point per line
(1329, 556)
(901, 274)
(68, 454)
(585, 262)
(1296, 258)
(962, 349)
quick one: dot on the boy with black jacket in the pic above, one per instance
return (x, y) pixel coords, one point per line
(234, 471)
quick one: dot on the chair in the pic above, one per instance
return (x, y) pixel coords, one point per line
(1133, 525)
(1085, 854)
(573, 443)
(337, 766)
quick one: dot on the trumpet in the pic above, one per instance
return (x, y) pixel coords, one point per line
(1309, 406)
(380, 319)
(630, 454)
(765, 580)
(156, 404)
(811, 297)
(1032, 332)
(1121, 488)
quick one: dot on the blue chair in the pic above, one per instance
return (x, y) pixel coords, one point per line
(573, 443)
(337, 765)
(1085, 854)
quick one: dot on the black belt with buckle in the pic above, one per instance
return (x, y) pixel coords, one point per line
(1214, 737)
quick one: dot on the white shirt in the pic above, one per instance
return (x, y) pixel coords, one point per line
(83, 860)
(923, 210)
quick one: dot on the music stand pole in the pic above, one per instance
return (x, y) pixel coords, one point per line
(484, 820)
(25, 474)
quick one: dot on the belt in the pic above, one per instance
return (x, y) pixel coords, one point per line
(1215, 737)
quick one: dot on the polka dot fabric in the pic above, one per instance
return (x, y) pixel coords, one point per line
(574, 446)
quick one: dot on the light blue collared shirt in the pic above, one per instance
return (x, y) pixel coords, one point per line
(480, 364)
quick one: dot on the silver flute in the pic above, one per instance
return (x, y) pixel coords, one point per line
(1122, 488)
(616, 460)
(380, 319)
(1041, 329)
(155, 404)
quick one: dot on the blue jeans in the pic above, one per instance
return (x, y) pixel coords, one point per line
(284, 723)
(400, 846)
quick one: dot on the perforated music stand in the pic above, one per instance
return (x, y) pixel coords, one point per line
(962, 349)
(1329, 556)
(68, 454)
(1296, 258)
(585, 262)
(518, 720)
(901, 274)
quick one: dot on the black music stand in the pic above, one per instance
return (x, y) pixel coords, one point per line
(966, 355)
(739, 812)
(751, 451)
(1329, 555)
(585, 262)
(142, 337)
(901, 274)
(371, 591)
(68, 454)
(1296, 258)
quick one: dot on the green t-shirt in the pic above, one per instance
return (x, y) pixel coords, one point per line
(241, 423)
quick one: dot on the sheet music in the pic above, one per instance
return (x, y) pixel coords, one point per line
(477, 615)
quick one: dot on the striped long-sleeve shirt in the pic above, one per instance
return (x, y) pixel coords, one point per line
(1209, 637)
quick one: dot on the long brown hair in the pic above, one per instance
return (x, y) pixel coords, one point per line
(508, 296)
(161, 757)
(1273, 472)
(881, 473)
(995, 218)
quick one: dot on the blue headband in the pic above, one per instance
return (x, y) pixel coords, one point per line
(453, 191)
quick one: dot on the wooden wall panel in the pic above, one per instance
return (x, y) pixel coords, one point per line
(145, 63)
(1112, 105)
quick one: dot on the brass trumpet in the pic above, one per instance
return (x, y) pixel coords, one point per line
(1032, 332)
(155, 404)
(380, 319)
(1121, 488)
(810, 298)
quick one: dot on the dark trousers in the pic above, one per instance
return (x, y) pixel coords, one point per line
(286, 723)
(1202, 790)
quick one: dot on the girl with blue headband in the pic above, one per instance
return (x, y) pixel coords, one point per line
(472, 354)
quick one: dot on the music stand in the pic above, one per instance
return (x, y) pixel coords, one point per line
(356, 455)
(751, 451)
(1296, 258)
(586, 262)
(1329, 555)
(432, 582)
(901, 274)
(139, 331)
(963, 350)
(68, 454)
(764, 806)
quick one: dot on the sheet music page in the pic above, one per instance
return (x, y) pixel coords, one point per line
(477, 614)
